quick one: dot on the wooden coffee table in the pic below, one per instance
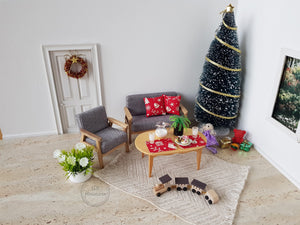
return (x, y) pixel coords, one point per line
(140, 143)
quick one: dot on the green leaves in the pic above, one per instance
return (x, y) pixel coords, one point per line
(71, 163)
(180, 122)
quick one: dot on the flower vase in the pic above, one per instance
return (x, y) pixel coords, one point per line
(80, 177)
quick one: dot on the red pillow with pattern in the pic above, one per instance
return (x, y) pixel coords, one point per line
(155, 106)
(172, 104)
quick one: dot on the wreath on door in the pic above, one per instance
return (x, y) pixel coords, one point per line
(74, 59)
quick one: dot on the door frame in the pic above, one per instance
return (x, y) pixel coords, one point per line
(50, 76)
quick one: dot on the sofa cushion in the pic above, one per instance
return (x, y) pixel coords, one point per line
(172, 104)
(111, 137)
(136, 105)
(93, 120)
(142, 122)
(155, 106)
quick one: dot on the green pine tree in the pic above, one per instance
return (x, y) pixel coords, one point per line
(218, 97)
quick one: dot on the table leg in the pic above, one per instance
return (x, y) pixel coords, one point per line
(150, 165)
(143, 155)
(199, 153)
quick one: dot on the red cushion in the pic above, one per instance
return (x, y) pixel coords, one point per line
(155, 106)
(172, 104)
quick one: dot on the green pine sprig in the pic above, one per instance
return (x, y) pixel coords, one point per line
(180, 122)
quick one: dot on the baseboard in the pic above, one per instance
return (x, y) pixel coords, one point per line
(33, 134)
(277, 166)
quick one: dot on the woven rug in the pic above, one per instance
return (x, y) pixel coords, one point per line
(129, 173)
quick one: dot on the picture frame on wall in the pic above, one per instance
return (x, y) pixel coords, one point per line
(285, 110)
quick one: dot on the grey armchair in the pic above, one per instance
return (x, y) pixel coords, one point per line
(135, 113)
(96, 130)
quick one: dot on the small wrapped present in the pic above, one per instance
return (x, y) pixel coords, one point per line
(238, 136)
(225, 142)
(246, 145)
(234, 146)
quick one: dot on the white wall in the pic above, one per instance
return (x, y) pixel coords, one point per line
(146, 46)
(265, 27)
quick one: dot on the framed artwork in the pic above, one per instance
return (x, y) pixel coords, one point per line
(286, 104)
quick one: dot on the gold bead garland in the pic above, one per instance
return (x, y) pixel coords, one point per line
(229, 27)
(227, 45)
(222, 67)
(216, 115)
(218, 92)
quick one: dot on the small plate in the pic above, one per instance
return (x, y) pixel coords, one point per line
(179, 143)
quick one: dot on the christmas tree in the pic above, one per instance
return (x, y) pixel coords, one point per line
(218, 97)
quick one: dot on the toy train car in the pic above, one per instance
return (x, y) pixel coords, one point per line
(166, 180)
(211, 197)
(198, 187)
(159, 189)
(181, 183)
(164, 186)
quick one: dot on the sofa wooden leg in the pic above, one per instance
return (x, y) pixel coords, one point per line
(129, 137)
(127, 147)
(129, 132)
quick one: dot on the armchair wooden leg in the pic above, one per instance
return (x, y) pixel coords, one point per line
(100, 158)
(82, 138)
(99, 153)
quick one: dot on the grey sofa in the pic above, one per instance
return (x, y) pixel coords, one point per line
(135, 113)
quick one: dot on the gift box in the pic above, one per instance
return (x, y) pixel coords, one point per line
(225, 142)
(234, 146)
(238, 136)
(246, 145)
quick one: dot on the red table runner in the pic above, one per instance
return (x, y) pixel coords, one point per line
(196, 142)
(161, 145)
(166, 144)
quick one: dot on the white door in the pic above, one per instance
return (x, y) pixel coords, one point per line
(73, 95)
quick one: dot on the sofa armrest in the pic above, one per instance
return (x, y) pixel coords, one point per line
(128, 115)
(184, 110)
(117, 122)
(90, 135)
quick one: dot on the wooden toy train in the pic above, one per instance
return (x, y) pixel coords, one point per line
(182, 183)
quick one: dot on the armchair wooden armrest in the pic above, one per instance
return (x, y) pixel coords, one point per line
(117, 122)
(184, 110)
(128, 115)
(85, 133)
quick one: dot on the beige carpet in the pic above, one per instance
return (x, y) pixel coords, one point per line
(129, 173)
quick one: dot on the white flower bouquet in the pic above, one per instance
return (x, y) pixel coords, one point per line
(79, 159)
